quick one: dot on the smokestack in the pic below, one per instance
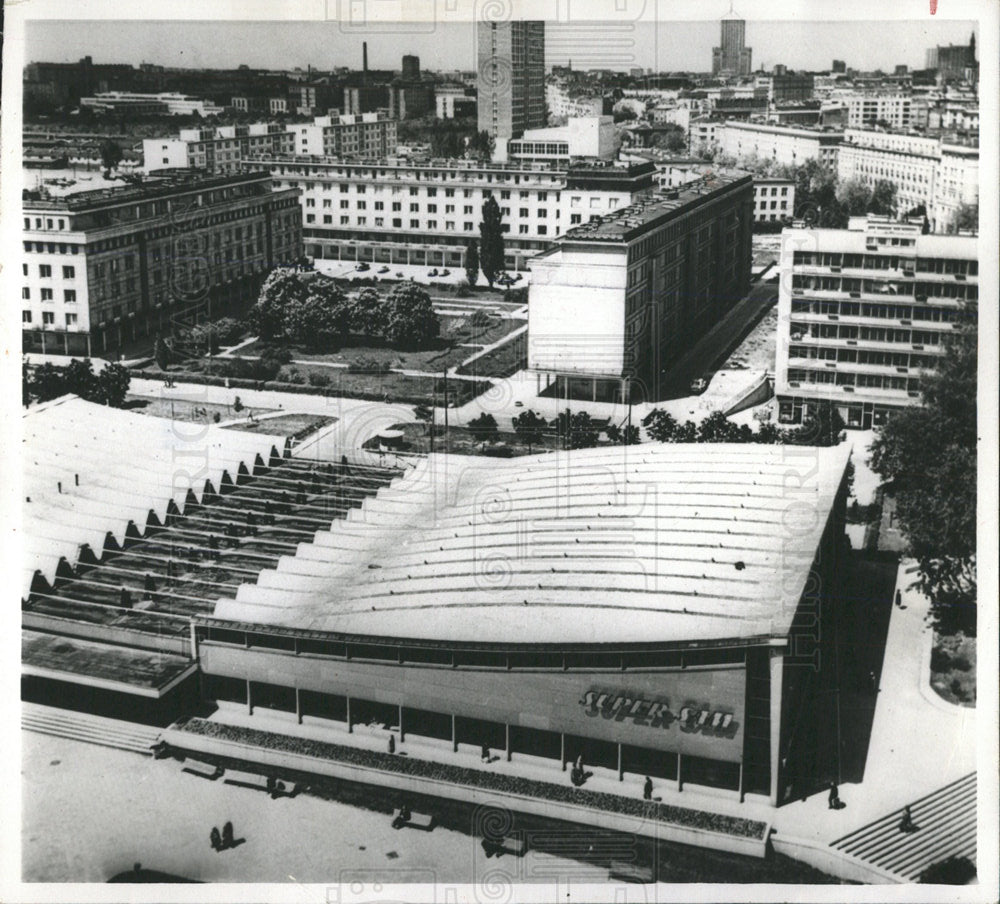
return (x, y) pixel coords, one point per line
(364, 64)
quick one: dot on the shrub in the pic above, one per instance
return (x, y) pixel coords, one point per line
(318, 379)
(366, 365)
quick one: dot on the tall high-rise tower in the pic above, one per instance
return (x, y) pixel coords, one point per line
(511, 79)
(733, 57)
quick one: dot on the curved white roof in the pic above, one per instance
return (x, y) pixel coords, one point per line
(127, 464)
(664, 542)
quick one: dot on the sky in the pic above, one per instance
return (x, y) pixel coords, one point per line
(662, 46)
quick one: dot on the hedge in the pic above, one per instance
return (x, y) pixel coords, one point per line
(684, 817)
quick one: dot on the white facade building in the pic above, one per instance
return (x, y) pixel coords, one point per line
(449, 104)
(346, 135)
(863, 311)
(222, 149)
(784, 145)
(592, 136)
(176, 104)
(868, 109)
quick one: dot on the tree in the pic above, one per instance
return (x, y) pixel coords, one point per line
(111, 156)
(883, 199)
(318, 318)
(81, 380)
(410, 317)
(625, 436)
(161, 353)
(928, 455)
(282, 286)
(367, 313)
(717, 428)
(484, 428)
(966, 218)
(854, 196)
(577, 430)
(424, 414)
(491, 254)
(821, 426)
(472, 262)
(530, 428)
(113, 383)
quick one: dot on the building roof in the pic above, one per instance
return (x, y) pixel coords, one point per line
(628, 222)
(128, 465)
(667, 543)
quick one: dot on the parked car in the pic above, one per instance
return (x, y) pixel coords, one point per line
(446, 272)
(399, 274)
(363, 267)
(383, 269)
(699, 385)
(433, 272)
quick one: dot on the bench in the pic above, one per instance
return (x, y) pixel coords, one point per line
(422, 821)
(630, 872)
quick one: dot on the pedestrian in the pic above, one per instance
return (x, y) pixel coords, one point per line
(271, 784)
(300, 496)
(227, 835)
(404, 811)
(486, 756)
(647, 789)
(125, 598)
(873, 682)
(906, 824)
(834, 798)
(251, 524)
(216, 839)
(392, 743)
(899, 600)
(578, 765)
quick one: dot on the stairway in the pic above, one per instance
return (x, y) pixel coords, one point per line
(65, 723)
(946, 827)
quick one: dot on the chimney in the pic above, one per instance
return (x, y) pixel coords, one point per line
(364, 62)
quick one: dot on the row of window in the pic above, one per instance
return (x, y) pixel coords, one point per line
(862, 356)
(880, 311)
(958, 290)
(69, 295)
(48, 318)
(863, 333)
(946, 265)
(863, 381)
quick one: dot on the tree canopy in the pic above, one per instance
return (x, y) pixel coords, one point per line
(530, 428)
(928, 455)
(472, 262)
(109, 387)
(491, 250)
(410, 319)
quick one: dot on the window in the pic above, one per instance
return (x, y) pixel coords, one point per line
(542, 212)
(26, 293)
(71, 320)
(414, 224)
(44, 271)
(432, 208)
(311, 218)
(543, 229)
(414, 208)
(24, 269)
(70, 296)
(397, 223)
(574, 219)
(327, 220)
(25, 316)
(432, 224)
(505, 195)
(48, 318)
(522, 211)
(396, 205)
(467, 209)
(46, 295)
(344, 221)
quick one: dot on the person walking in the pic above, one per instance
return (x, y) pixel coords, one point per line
(392, 743)
(216, 839)
(833, 800)
(899, 600)
(647, 789)
(486, 755)
(227, 835)
(906, 823)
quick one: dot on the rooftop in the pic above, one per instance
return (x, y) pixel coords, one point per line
(627, 222)
(667, 543)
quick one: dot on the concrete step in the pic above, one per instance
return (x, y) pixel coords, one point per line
(89, 728)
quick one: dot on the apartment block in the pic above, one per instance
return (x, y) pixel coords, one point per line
(894, 110)
(346, 135)
(222, 149)
(104, 268)
(392, 211)
(785, 145)
(616, 301)
(863, 312)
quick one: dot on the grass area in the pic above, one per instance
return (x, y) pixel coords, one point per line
(196, 412)
(295, 425)
(504, 361)
(953, 668)
(450, 348)
(416, 438)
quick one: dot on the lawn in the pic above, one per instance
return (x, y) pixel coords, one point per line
(504, 361)
(294, 425)
(416, 438)
(179, 410)
(953, 668)
(380, 387)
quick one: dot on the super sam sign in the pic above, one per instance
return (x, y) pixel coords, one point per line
(691, 718)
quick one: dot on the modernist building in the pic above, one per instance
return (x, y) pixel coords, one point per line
(222, 149)
(169, 102)
(783, 144)
(511, 79)
(593, 136)
(926, 170)
(451, 101)
(733, 57)
(365, 98)
(400, 212)
(895, 111)
(863, 311)
(102, 268)
(346, 135)
(652, 278)
(448, 607)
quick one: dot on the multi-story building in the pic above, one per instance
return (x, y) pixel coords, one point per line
(511, 79)
(222, 149)
(703, 134)
(863, 312)
(733, 57)
(410, 100)
(563, 103)
(451, 101)
(314, 100)
(365, 98)
(954, 63)
(895, 111)
(591, 136)
(926, 170)
(390, 211)
(346, 135)
(170, 102)
(785, 145)
(614, 302)
(411, 67)
(104, 268)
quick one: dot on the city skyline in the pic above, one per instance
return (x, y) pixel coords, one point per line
(662, 47)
